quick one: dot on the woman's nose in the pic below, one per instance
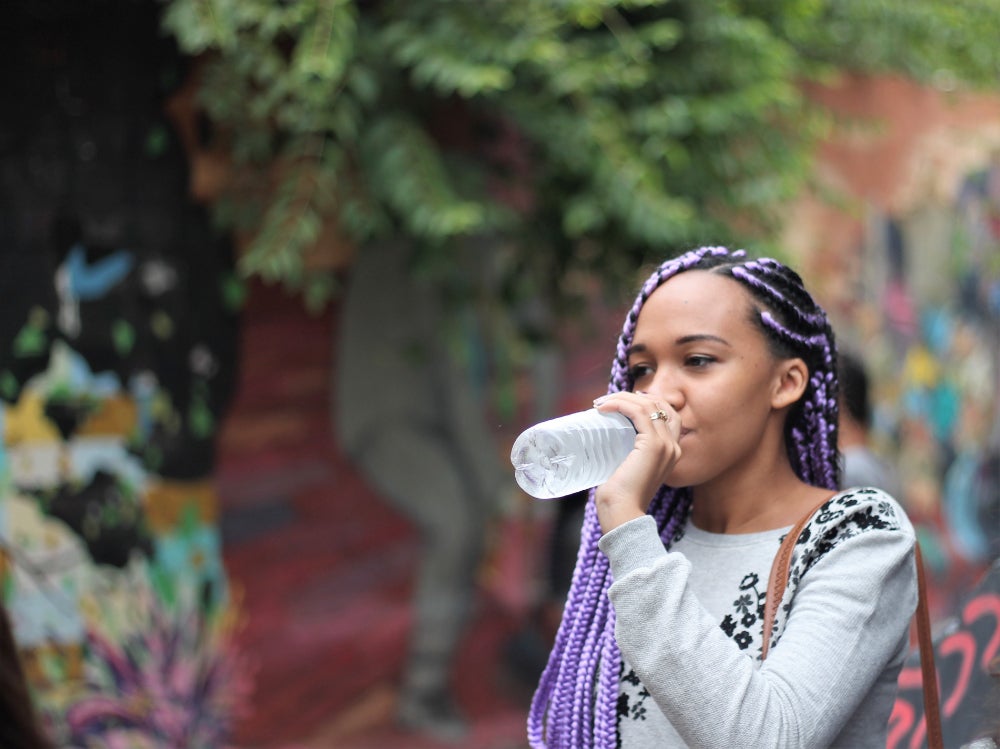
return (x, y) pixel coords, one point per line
(665, 387)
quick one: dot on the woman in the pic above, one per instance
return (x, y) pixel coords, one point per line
(727, 368)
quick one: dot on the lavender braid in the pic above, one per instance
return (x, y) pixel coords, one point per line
(565, 713)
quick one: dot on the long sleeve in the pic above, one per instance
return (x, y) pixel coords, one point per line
(830, 680)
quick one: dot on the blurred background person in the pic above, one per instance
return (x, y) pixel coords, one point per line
(407, 413)
(860, 464)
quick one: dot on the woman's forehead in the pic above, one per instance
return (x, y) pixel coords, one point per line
(698, 295)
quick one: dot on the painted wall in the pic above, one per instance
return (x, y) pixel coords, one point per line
(117, 350)
(928, 321)
(908, 262)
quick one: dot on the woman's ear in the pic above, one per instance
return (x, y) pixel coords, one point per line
(790, 383)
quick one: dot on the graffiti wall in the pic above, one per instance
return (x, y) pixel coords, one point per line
(906, 258)
(926, 317)
(919, 301)
(117, 350)
(901, 240)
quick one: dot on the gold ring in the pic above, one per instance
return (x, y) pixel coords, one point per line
(659, 415)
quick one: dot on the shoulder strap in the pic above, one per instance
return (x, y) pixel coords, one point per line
(775, 592)
(932, 713)
(779, 575)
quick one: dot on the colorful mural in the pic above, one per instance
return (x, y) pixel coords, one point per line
(118, 341)
(927, 322)
(111, 560)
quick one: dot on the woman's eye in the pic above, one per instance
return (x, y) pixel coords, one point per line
(639, 371)
(698, 360)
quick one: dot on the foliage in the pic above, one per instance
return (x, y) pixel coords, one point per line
(578, 135)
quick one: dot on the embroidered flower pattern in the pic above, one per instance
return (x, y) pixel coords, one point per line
(844, 516)
(749, 609)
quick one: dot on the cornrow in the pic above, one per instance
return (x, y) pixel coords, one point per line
(565, 711)
(796, 326)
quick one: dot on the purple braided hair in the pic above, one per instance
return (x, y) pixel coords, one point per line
(565, 711)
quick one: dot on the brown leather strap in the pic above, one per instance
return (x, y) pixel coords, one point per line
(779, 575)
(932, 712)
(776, 589)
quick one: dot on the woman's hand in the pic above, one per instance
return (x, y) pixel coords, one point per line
(627, 494)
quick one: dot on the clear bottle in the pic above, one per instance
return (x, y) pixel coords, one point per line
(567, 454)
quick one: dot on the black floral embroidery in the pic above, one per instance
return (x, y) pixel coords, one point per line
(845, 516)
(728, 625)
(634, 708)
(826, 515)
(622, 705)
(678, 535)
(748, 610)
(638, 711)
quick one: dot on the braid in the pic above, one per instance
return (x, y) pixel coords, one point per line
(796, 326)
(565, 712)
(605, 721)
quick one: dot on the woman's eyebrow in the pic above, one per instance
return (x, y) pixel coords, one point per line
(701, 337)
(641, 348)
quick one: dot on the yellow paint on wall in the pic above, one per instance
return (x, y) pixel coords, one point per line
(920, 368)
(115, 416)
(51, 664)
(25, 421)
(165, 503)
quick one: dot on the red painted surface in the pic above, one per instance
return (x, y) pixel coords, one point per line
(324, 566)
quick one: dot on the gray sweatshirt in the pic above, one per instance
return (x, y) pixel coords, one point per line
(689, 626)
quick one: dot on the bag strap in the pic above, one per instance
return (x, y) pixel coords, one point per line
(932, 713)
(778, 580)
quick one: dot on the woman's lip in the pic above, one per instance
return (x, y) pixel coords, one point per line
(684, 432)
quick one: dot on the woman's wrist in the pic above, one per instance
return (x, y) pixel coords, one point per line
(612, 513)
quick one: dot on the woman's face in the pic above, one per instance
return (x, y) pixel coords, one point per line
(696, 348)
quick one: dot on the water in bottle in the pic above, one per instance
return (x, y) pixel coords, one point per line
(564, 455)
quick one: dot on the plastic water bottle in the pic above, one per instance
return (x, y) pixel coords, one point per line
(570, 453)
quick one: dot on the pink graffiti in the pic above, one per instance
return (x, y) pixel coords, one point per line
(903, 721)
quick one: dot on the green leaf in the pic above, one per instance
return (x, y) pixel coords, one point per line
(584, 136)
